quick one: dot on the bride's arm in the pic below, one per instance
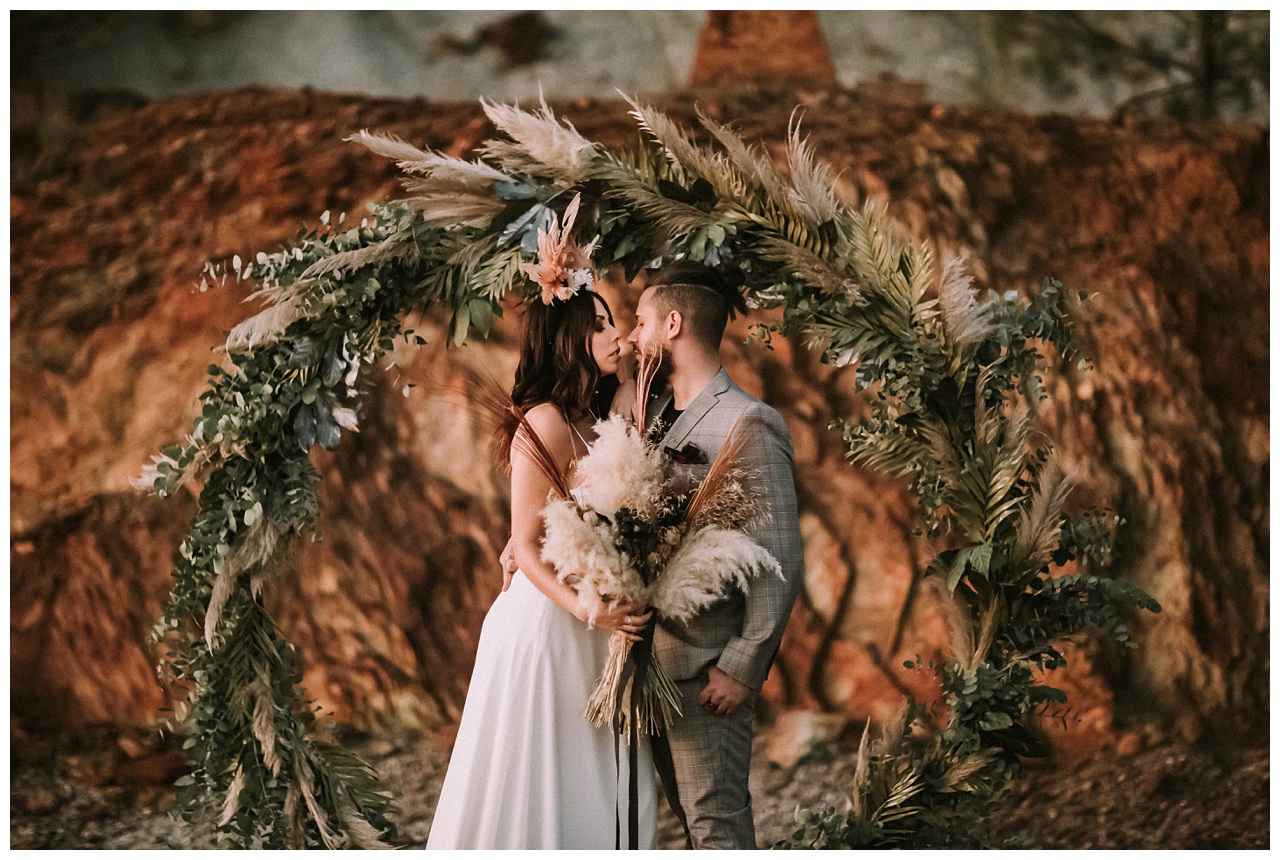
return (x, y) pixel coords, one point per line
(529, 489)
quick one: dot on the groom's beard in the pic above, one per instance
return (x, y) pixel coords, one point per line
(662, 376)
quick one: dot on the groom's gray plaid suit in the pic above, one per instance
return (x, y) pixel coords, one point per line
(739, 635)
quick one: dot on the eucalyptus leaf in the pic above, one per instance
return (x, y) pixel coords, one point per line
(481, 315)
(461, 324)
(541, 224)
(514, 232)
(515, 190)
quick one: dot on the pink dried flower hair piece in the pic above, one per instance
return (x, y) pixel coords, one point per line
(563, 266)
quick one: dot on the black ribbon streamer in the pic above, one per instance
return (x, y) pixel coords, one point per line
(638, 659)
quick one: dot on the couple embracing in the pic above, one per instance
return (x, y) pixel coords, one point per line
(528, 770)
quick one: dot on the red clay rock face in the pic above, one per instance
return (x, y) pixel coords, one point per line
(110, 340)
(762, 46)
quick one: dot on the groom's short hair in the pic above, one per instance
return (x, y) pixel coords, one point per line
(703, 297)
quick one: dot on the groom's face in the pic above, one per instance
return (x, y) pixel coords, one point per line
(649, 337)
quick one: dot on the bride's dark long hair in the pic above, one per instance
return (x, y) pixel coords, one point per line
(556, 365)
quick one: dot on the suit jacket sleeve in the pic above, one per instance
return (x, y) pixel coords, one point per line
(769, 454)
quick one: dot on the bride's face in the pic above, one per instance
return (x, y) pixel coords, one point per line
(606, 344)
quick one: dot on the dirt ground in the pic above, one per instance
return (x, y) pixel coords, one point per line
(105, 791)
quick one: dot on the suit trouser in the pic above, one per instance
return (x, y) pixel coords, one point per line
(712, 760)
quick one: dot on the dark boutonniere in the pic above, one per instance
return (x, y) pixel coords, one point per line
(689, 455)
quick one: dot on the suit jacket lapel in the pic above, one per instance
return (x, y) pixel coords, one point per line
(693, 413)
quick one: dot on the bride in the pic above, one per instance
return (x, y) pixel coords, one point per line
(528, 770)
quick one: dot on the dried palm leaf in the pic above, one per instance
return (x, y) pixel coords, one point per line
(264, 723)
(959, 623)
(677, 219)
(393, 249)
(806, 266)
(860, 784)
(302, 763)
(721, 471)
(812, 185)
(647, 365)
(683, 153)
(757, 168)
(1040, 522)
(453, 204)
(499, 407)
(231, 803)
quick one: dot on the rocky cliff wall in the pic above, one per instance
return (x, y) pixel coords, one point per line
(1170, 429)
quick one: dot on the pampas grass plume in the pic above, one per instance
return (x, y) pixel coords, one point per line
(696, 575)
(622, 471)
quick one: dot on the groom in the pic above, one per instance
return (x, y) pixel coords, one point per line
(720, 658)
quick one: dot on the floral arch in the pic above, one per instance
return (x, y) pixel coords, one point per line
(955, 380)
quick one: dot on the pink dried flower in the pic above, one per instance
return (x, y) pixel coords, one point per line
(563, 266)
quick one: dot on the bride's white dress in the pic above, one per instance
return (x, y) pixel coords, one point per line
(528, 770)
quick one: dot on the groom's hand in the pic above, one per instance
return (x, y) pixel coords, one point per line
(723, 694)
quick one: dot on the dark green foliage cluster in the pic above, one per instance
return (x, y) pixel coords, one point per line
(952, 378)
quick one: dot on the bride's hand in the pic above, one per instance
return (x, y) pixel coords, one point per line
(627, 619)
(508, 559)
(627, 364)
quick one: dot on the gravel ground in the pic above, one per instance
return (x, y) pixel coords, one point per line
(100, 791)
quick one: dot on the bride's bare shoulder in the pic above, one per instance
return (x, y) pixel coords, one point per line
(551, 427)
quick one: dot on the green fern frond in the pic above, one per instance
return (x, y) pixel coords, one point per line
(673, 218)
(804, 265)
